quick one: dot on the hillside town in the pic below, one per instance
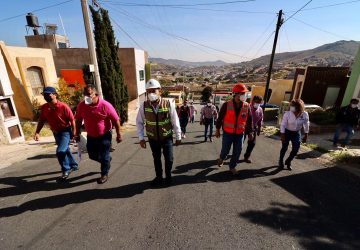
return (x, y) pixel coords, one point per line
(105, 146)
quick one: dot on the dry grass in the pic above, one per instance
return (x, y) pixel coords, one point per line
(30, 127)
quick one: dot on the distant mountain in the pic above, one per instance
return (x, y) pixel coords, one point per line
(180, 63)
(340, 53)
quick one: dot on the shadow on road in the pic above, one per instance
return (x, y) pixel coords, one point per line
(329, 220)
(21, 185)
(42, 156)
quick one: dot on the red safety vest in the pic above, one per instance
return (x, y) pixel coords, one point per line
(230, 124)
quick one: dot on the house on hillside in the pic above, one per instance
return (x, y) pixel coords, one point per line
(323, 86)
(69, 61)
(29, 71)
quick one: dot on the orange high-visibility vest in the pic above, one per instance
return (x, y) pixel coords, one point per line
(231, 124)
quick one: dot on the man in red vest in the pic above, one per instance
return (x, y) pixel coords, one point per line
(235, 119)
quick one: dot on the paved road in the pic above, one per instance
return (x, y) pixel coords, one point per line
(312, 207)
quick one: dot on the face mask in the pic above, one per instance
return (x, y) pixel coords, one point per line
(88, 100)
(153, 97)
(256, 105)
(292, 109)
(209, 104)
(243, 98)
(48, 98)
(354, 106)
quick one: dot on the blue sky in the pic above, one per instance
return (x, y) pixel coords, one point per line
(239, 35)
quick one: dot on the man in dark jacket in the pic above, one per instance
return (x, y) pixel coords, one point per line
(347, 120)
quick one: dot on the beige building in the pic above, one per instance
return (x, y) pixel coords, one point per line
(132, 60)
(29, 71)
(279, 90)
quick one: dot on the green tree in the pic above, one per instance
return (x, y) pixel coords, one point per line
(206, 93)
(112, 80)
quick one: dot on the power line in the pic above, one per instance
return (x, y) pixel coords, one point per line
(176, 5)
(174, 35)
(287, 38)
(222, 10)
(44, 8)
(127, 34)
(320, 29)
(327, 6)
(262, 46)
(297, 11)
(258, 39)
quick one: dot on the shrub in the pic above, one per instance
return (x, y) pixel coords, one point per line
(323, 117)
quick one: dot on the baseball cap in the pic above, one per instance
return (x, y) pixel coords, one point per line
(49, 90)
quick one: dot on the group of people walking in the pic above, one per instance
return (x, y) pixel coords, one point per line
(161, 121)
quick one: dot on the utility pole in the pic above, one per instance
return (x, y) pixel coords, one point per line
(278, 25)
(91, 46)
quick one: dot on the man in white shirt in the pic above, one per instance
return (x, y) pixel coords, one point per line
(160, 119)
(292, 123)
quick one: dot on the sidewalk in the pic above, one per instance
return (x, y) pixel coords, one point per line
(324, 150)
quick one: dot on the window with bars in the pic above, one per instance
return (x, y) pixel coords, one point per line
(35, 78)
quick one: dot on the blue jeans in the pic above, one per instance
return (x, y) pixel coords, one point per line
(63, 153)
(99, 150)
(237, 142)
(183, 123)
(348, 129)
(295, 138)
(167, 149)
(208, 122)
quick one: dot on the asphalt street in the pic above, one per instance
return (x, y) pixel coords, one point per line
(311, 207)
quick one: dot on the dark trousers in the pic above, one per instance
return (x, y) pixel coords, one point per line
(99, 150)
(167, 149)
(295, 138)
(183, 123)
(234, 140)
(250, 145)
(208, 122)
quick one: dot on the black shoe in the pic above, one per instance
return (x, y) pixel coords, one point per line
(288, 165)
(281, 165)
(157, 181)
(205, 140)
(102, 179)
(211, 140)
(168, 181)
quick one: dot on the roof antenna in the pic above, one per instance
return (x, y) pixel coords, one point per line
(63, 27)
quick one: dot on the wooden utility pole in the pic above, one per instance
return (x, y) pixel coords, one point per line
(278, 25)
(91, 46)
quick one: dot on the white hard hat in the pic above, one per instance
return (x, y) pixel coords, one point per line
(152, 84)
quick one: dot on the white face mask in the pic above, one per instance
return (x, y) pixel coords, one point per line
(292, 109)
(354, 106)
(209, 104)
(88, 100)
(243, 98)
(153, 97)
(256, 105)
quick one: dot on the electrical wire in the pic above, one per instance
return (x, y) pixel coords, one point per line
(320, 29)
(327, 6)
(259, 38)
(123, 12)
(36, 10)
(297, 11)
(176, 5)
(262, 46)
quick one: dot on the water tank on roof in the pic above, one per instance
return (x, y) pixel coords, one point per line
(32, 21)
